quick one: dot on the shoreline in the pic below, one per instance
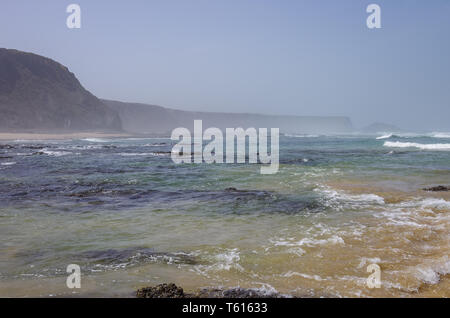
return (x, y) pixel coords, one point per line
(60, 136)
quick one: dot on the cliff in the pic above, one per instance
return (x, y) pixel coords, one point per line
(37, 93)
(142, 118)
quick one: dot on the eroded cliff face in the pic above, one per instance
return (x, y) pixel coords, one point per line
(37, 93)
(142, 118)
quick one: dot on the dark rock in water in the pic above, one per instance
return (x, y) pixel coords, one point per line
(236, 293)
(161, 291)
(231, 189)
(87, 193)
(173, 291)
(33, 147)
(437, 189)
(7, 147)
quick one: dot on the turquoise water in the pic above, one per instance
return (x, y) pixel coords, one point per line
(130, 217)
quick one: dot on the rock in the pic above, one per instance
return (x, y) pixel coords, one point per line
(39, 93)
(236, 293)
(437, 189)
(161, 291)
(7, 147)
(173, 291)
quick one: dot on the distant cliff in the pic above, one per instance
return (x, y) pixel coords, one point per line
(142, 118)
(37, 93)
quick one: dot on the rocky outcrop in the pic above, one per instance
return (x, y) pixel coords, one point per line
(437, 189)
(37, 93)
(173, 291)
(161, 291)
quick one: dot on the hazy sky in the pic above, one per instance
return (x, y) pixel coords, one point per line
(278, 57)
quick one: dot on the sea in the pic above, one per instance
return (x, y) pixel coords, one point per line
(129, 217)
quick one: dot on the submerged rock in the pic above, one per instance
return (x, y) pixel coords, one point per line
(438, 188)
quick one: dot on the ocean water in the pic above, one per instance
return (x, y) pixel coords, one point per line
(130, 218)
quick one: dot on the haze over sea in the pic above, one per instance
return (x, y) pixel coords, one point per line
(130, 217)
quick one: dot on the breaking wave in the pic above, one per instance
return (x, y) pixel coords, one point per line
(398, 144)
(385, 137)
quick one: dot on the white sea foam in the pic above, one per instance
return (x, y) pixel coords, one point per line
(307, 276)
(140, 154)
(430, 273)
(143, 138)
(440, 135)
(384, 137)
(58, 153)
(229, 259)
(133, 154)
(8, 163)
(309, 242)
(339, 199)
(225, 260)
(435, 203)
(266, 290)
(301, 136)
(85, 147)
(398, 144)
(95, 140)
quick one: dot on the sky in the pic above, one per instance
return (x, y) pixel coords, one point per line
(290, 57)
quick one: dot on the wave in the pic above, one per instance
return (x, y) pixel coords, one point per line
(340, 199)
(385, 136)
(8, 163)
(301, 136)
(95, 140)
(440, 135)
(131, 154)
(58, 153)
(398, 144)
(309, 242)
(224, 260)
